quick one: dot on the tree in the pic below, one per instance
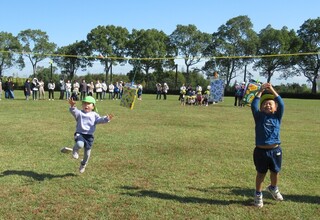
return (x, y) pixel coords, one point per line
(72, 57)
(273, 44)
(9, 47)
(230, 48)
(36, 46)
(149, 49)
(108, 43)
(309, 65)
(189, 43)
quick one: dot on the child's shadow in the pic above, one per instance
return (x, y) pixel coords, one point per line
(137, 192)
(34, 175)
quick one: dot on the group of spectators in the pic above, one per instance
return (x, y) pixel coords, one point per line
(35, 89)
(75, 90)
(194, 97)
(162, 90)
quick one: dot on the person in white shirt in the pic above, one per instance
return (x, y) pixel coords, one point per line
(111, 91)
(98, 88)
(68, 89)
(104, 89)
(165, 90)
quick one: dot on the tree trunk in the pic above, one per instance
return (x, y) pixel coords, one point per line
(314, 86)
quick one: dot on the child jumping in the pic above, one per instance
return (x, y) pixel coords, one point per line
(267, 154)
(86, 119)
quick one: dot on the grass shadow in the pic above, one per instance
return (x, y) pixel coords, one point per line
(303, 199)
(181, 199)
(34, 175)
(249, 193)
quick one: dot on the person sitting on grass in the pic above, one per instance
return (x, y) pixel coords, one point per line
(86, 119)
(267, 154)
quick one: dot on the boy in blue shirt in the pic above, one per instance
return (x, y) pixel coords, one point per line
(86, 119)
(267, 154)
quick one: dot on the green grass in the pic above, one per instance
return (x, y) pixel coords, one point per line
(157, 161)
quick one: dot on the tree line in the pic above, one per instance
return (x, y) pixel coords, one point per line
(153, 54)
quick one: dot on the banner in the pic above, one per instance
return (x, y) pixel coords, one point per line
(250, 92)
(128, 97)
(216, 90)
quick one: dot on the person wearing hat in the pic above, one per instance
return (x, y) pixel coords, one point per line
(267, 109)
(86, 119)
(237, 94)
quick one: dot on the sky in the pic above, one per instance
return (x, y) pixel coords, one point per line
(68, 21)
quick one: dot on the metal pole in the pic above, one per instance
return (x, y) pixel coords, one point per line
(176, 79)
(51, 68)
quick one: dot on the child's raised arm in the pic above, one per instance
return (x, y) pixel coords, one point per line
(72, 102)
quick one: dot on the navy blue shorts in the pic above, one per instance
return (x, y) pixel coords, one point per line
(86, 138)
(267, 159)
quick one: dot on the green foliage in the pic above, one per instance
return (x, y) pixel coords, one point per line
(273, 41)
(234, 39)
(229, 51)
(8, 46)
(74, 58)
(36, 46)
(294, 88)
(157, 161)
(309, 66)
(189, 43)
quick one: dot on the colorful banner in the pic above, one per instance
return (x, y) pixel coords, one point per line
(250, 92)
(216, 90)
(128, 97)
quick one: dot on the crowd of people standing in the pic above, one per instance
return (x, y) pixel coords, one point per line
(35, 89)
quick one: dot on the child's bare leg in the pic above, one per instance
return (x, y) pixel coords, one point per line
(274, 178)
(259, 180)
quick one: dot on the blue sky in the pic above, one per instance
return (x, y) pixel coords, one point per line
(67, 21)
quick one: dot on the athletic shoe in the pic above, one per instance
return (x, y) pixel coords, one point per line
(66, 150)
(75, 154)
(258, 202)
(82, 168)
(275, 193)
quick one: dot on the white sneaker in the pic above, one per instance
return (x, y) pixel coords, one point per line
(82, 168)
(75, 154)
(275, 193)
(258, 202)
(66, 150)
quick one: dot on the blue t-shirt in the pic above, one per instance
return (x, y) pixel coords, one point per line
(267, 125)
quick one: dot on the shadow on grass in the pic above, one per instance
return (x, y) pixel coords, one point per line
(249, 193)
(182, 199)
(34, 175)
(233, 191)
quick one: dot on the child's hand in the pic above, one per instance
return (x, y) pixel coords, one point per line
(109, 116)
(72, 102)
(265, 86)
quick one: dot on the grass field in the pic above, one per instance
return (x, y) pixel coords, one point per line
(157, 161)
